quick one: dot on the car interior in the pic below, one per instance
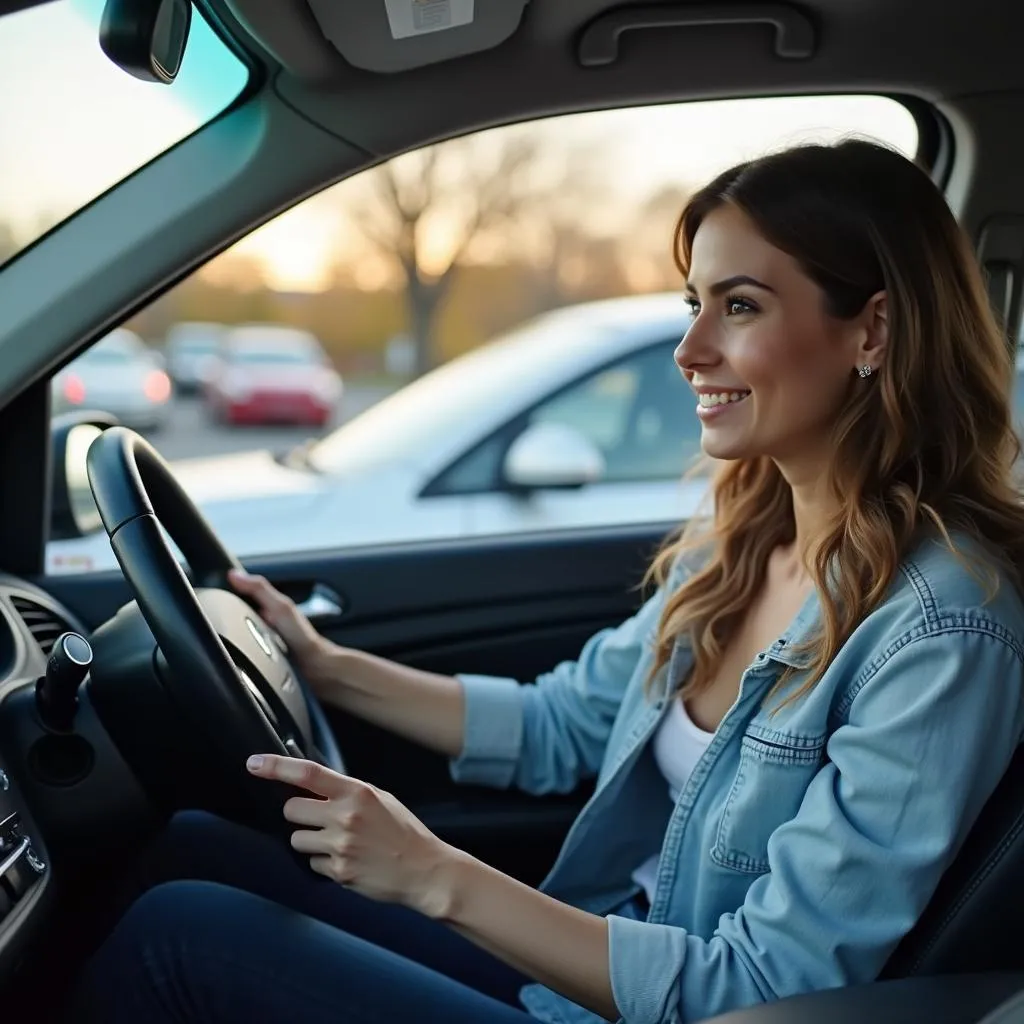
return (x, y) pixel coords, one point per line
(88, 772)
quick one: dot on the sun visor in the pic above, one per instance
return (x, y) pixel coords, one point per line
(395, 35)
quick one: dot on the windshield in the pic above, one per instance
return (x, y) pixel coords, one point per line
(74, 124)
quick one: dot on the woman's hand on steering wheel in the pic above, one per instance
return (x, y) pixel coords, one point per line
(306, 646)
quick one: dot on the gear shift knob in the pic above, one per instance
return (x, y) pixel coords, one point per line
(57, 691)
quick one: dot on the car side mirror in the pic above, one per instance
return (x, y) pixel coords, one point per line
(73, 512)
(552, 455)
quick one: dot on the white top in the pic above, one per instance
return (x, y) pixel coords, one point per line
(678, 746)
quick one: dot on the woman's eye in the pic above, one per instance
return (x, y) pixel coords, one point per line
(694, 307)
(737, 306)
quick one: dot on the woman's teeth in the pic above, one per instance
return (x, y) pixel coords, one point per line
(722, 398)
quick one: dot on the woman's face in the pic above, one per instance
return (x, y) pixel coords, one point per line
(770, 366)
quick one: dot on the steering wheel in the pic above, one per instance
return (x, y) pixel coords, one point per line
(217, 661)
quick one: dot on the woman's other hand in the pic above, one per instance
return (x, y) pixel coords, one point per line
(362, 837)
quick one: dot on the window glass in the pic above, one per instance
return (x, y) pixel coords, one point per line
(80, 124)
(637, 413)
(598, 409)
(457, 294)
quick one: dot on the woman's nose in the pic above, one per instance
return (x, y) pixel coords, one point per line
(680, 354)
(695, 349)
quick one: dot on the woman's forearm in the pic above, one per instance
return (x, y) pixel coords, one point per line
(421, 706)
(563, 948)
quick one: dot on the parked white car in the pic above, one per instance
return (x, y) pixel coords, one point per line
(578, 419)
(121, 375)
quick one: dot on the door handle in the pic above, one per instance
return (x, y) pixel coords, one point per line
(322, 604)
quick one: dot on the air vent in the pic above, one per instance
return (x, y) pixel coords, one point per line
(43, 623)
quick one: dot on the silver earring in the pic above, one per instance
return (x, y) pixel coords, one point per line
(865, 370)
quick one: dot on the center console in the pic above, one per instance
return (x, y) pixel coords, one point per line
(24, 874)
(20, 863)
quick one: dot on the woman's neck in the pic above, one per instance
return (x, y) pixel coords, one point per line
(813, 511)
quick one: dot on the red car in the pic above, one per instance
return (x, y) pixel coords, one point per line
(267, 373)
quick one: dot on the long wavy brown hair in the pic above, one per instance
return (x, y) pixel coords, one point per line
(929, 446)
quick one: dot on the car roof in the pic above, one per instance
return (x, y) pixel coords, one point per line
(187, 333)
(270, 337)
(120, 340)
(822, 40)
(523, 59)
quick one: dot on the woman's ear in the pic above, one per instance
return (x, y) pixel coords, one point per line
(873, 335)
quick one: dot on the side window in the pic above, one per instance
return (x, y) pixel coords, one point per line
(355, 371)
(637, 412)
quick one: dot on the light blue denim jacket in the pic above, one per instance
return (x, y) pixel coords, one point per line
(805, 844)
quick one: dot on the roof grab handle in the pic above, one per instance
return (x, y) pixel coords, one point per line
(599, 42)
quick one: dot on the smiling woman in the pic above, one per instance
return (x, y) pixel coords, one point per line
(770, 733)
(82, 125)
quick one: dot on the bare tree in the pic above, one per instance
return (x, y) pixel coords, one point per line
(428, 209)
(649, 256)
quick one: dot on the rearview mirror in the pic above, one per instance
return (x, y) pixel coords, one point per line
(73, 512)
(552, 455)
(146, 38)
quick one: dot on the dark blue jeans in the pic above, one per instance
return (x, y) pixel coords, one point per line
(232, 927)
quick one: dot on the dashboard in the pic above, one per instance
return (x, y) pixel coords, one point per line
(29, 624)
(64, 798)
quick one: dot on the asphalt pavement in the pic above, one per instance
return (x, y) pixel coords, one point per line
(191, 432)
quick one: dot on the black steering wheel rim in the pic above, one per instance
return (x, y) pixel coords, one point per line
(136, 494)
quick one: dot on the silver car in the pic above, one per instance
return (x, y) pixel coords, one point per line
(121, 375)
(192, 349)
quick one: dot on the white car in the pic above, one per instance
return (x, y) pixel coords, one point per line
(121, 375)
(580, 418)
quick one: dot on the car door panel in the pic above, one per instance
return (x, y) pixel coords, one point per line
(595, 505)
(512, 606)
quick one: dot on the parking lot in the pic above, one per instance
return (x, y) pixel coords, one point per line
(191, 432)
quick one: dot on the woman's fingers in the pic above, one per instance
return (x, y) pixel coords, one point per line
(247, 583)
(328, 867)
(312, 842)
(307, 811)
(308, 775)
(266, 595)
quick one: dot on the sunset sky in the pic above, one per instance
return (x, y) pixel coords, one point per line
(80, 125)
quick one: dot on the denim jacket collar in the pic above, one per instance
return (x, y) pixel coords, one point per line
(785, 650)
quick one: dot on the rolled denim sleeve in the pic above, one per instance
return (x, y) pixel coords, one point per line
(547, 735)
(923, 744)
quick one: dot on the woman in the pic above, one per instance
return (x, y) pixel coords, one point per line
(771, 732)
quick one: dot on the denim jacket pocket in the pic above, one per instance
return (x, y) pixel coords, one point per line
(774, 772)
